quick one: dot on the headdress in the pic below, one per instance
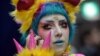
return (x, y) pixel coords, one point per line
(26, 10)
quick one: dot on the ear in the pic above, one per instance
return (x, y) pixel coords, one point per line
(18, 46)
(73, 2)
(24, 4)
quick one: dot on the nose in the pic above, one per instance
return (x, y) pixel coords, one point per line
(58, 32)
(58, 35)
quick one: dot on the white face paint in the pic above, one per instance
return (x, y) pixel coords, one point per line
(60, 31)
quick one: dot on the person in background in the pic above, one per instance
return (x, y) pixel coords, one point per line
(87, 40)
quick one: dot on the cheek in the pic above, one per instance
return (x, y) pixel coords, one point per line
(43, 33)
(66, 33)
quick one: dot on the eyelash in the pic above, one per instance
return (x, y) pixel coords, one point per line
(47, 26)
(63, 25)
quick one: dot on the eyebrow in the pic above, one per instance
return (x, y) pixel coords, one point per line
(47, 22)
(50, 21)
(59, 21)
(62, 21)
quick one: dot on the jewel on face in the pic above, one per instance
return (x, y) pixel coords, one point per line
(56, 18)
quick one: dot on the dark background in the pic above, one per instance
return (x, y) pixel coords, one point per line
(8, 29)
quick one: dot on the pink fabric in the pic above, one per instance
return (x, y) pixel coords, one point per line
(79, 55)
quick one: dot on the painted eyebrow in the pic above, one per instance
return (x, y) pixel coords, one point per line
(47, 22)
(53, 21)
(62, 21)
(50, 21)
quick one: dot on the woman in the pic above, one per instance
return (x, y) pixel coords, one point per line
(44, 16)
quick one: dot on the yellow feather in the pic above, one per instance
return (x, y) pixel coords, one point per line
(14, 2)
(25, 52)
(36, 52)
(26, 25)
(71, 11)
(68, 49)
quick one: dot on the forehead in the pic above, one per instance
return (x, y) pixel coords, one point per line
(53, 17)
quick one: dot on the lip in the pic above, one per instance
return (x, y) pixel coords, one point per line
(58, 42)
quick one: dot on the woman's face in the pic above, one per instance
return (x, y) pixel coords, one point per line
(60, 31)
(93, 38)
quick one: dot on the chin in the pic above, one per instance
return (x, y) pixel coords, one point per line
(59, 50)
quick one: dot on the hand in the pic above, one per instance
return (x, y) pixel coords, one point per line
(36, 41)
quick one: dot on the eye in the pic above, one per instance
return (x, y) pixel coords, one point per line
(63, 24)
(47, 26)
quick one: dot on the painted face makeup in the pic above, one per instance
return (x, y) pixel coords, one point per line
(60, 31)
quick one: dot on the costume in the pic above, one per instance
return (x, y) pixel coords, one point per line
(32, 50)
(29, 13)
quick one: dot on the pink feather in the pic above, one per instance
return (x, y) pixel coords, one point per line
(47, 40)
(31, 41)
(18, 46)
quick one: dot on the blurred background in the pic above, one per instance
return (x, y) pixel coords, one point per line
(87, 33)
